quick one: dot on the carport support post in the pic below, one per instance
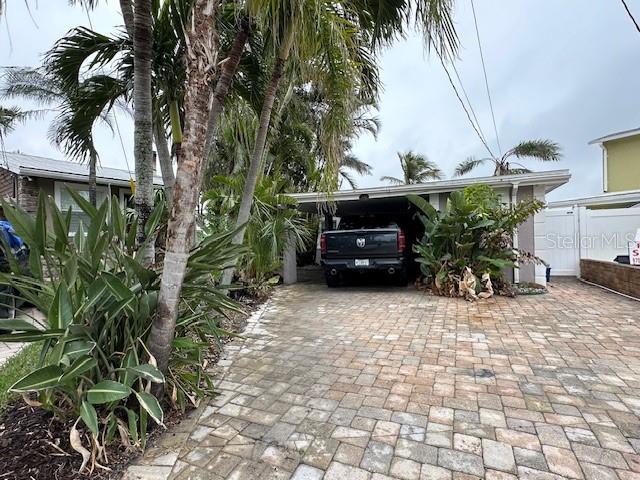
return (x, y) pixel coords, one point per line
(289, 264)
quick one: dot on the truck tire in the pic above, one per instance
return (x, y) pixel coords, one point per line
(401, 278)
(333, 281)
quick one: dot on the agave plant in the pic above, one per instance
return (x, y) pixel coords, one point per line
(98, 300)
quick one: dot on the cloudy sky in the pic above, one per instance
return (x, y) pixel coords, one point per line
(567, 70)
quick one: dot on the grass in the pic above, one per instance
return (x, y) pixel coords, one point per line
(15, 368)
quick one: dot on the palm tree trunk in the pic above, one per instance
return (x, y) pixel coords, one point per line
(127, 15)
(200, 65)
(166, 164)
(92, 179)
(229, 67)
(143, 127)
(258, 150)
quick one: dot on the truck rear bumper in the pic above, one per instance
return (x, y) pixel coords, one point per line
(348, 265)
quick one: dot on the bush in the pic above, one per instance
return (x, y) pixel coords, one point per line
(99, 301)
(274, 218)
(471, 239)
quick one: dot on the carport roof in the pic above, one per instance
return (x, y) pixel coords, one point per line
(550, 180)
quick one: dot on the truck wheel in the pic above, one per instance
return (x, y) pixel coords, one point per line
(401, 278)
(332, 280)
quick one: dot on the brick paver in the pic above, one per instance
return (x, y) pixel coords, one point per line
(380, 383)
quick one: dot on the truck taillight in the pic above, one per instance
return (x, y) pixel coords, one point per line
(401, 241)
(323, 244)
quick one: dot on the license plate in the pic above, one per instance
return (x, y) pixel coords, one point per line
(362, 263)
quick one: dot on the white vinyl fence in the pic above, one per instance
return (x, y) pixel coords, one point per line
(575, 233)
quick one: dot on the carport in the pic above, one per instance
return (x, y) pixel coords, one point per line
(391, 201)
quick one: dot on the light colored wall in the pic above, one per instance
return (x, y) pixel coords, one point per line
(526, 238)
(623, 164)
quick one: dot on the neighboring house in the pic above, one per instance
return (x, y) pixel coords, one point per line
(22, 177)
(620, 161)
(620, 174)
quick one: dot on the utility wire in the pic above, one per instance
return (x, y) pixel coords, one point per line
(626, 7)
(486, 81)
(464, 107)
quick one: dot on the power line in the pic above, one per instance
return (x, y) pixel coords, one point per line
(464, 107)
(486, 81)
(626, 7)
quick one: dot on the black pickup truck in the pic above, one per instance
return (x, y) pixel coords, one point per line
(362, 246)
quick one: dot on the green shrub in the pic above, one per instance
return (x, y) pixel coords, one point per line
(274, 218)
(475, 232)
(99, 301)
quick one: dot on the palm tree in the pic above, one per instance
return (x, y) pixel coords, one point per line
(80, 106)
(143, 116)
(543, 150)
(200, 70)
(416, 168)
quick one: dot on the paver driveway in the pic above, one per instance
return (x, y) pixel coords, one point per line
(391, 383)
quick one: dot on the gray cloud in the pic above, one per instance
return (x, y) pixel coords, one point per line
(566, 70)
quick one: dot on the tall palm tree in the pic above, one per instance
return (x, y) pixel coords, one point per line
(143, 116)
(416, 168)
(201, 61)
(79, 107)
(543, 150)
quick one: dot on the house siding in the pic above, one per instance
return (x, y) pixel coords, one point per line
(526, 238)
(7, 184)
(623, 164)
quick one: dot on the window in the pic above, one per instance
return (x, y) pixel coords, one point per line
(64, 200)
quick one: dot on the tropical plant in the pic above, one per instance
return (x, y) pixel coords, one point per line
(543, 150)
(416, 168)
(143, 114)
(98, 297)
(274, 222)
(9, 118)
(476, 233)
(79, 106)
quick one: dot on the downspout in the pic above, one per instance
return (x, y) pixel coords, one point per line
(514, 201)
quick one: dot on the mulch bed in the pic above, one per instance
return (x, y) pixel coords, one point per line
(35, 446)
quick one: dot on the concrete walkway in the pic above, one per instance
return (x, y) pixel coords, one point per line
(380, 383)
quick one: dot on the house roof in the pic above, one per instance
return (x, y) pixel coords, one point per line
(31, 165)
(628, 197)
(616, 136)
(550, 179)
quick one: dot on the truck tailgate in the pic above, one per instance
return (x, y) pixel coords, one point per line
(372, 243)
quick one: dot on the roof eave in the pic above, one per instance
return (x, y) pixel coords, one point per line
(615, 136)
(77, 177)
(551, 179)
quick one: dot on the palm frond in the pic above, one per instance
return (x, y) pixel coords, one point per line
(345, 175)
(360, 167)
(393, 180)
(467, 165)
(542, 149)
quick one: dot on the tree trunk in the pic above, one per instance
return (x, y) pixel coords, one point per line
(258, 150)
(166, 164)
(143, 117)
(229, 67)
(92, 179)
(127, 15)
(200, 65)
